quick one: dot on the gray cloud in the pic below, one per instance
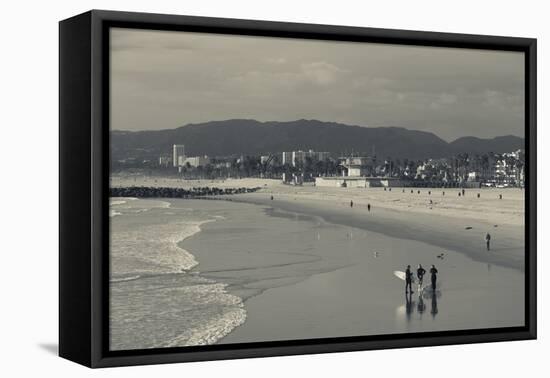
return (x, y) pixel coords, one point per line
(165, 79)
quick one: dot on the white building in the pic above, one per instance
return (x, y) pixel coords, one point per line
(300, 157)
(287, 158)
(178, 155)
(196, 161)
(165, 161)
(358, 166)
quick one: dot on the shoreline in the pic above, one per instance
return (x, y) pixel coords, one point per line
(293, 302)
(438, 230)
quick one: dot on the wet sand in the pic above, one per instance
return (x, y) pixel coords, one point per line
(303, 275)
(447, 232)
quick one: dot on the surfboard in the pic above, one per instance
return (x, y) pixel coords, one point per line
(402, 275)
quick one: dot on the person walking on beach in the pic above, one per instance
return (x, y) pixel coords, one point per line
(368, 207)
(351, 203)
(408, 280)
(420, 274)
(488, 241)
(433, 272)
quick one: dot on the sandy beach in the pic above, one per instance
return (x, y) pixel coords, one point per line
(508, 210)
(306, 264)
(449, 221)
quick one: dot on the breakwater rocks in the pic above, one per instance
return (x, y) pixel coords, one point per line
(153, 192)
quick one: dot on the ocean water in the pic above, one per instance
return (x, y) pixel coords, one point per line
(155, 299)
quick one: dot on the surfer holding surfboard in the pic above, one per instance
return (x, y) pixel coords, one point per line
(408, 279)
(433, 272)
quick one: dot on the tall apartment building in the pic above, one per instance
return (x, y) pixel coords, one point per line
(178, 155)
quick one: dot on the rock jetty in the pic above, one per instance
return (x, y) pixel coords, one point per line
(156, 192)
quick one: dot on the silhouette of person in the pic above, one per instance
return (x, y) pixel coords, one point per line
(488, 241)
(408, 280)
(368, 207)
(351, 203)
(433, 272)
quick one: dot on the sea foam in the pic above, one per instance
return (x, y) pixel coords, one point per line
(155, 300)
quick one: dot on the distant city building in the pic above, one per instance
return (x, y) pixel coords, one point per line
(299, 158)
(358, 166)
(473, 176)
(178, 155)
(165, 161)
(196, 161)
(286, 158)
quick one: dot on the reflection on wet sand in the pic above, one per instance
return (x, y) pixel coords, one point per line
(434, 306)
(419, 304)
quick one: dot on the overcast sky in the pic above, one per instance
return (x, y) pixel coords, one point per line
(164, 79)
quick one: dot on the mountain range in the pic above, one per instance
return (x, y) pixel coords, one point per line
(251, 137)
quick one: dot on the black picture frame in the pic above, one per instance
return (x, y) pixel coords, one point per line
(84, 180)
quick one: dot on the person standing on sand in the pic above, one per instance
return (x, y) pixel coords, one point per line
(433, 272)
(488, 241)
(368, 207)
(420, 274)
(351, 203)
(408, 280)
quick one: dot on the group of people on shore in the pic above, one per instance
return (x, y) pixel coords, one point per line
(420, 273)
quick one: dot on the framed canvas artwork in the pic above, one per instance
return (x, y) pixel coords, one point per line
(234, 188)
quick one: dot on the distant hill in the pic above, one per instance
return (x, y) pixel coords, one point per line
(473, 145)
(250, 137)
